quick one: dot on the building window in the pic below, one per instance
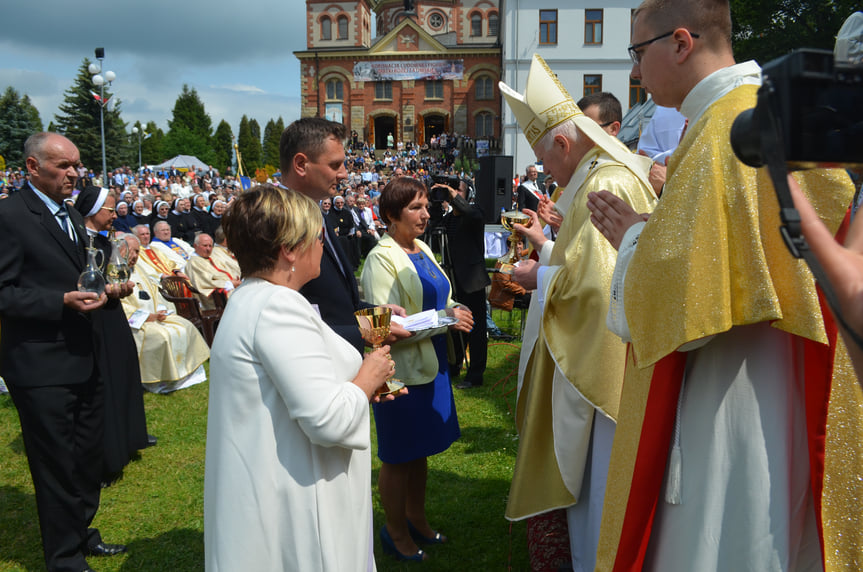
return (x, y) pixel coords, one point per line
(592, 84)
(343, 27)
(434, 89)
(493, 23)
(593, 26)
(547, 27)
(476, 25)
(326, 28)
(335, 90)
(436, 21)
(637, 94)
(384, 90)
(484, 87)
(484, 125)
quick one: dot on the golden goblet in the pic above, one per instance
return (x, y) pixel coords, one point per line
(375, 327)
(507, 219)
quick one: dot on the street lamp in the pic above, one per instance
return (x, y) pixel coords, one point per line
(136, 131)
(100, 80)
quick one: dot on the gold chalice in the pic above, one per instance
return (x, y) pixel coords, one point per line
(507, 219)
(375, 327)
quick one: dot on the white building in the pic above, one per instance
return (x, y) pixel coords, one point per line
(584, 43)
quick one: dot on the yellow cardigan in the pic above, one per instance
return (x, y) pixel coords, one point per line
(389, 277)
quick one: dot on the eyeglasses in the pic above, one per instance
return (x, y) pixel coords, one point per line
(636, 55)
(606, 124)
(109, 209)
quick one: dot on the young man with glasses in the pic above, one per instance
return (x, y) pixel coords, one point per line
(726, 467)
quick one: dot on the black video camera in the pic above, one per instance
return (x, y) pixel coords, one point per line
(814, 105)
(439, 194)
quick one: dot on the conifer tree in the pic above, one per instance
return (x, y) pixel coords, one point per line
(79, 121)
(223, 147)
(272, 135)
(17, 122)
(190, 128)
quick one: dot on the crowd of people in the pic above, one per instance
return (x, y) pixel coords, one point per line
(684, 403)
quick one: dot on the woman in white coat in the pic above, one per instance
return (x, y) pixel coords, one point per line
(288, 470)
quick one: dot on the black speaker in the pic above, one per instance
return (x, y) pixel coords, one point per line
(494, 186)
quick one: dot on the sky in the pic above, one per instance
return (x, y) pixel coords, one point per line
(237, 55)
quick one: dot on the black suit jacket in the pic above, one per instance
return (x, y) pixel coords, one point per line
(466, 245)
(336, 293)
(42, 341)
(526, 199)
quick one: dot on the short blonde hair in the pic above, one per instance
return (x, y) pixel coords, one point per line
(265, 218)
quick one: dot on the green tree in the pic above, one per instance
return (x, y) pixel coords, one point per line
(35, 119)
(190, 128)
(272, 135)
(257, 150)
(16, 124)
(249, 144)
(79, 121)
(223, 147)
(771, 28)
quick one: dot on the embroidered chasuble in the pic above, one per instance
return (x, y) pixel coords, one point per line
(711, 262)
(572, 337)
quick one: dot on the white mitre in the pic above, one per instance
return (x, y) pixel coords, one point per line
(546, 104)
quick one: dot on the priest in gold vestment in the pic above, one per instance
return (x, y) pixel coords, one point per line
(737, 446)
(570, 388)
(207, 274)
(171, 350)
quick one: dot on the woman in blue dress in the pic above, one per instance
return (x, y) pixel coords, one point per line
(402, 270)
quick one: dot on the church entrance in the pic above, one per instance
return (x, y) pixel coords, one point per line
(434, 124)
(384, 125)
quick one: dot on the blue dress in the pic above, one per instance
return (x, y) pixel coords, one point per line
(423, 422)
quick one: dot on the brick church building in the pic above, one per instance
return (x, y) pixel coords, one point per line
(432, 67)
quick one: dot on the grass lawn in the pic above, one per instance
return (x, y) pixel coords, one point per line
(157, 508)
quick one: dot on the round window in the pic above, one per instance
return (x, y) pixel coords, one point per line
(436, 21)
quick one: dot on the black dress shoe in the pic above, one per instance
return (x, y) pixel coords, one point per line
(468, 384)
(151, 440)
(88, 569)
(103, 549)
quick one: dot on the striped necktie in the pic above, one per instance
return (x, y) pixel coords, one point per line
(63, 215)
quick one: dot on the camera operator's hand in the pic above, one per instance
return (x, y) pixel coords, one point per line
(611, 216)
(548, 213)
(842, 264)
(533, 232)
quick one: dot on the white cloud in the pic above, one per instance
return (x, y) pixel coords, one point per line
(237, 56)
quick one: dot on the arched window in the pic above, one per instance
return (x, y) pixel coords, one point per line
(343, 27)
(484, 87)
(326, 28)
(335, 90)
(484, 126)
(476, 25)
(493, 22)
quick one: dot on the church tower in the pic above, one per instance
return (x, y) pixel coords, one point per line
(338, 25)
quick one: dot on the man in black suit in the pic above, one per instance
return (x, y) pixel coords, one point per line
(47, 351)
(465, 230)
(312, 161)
(530, 191)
